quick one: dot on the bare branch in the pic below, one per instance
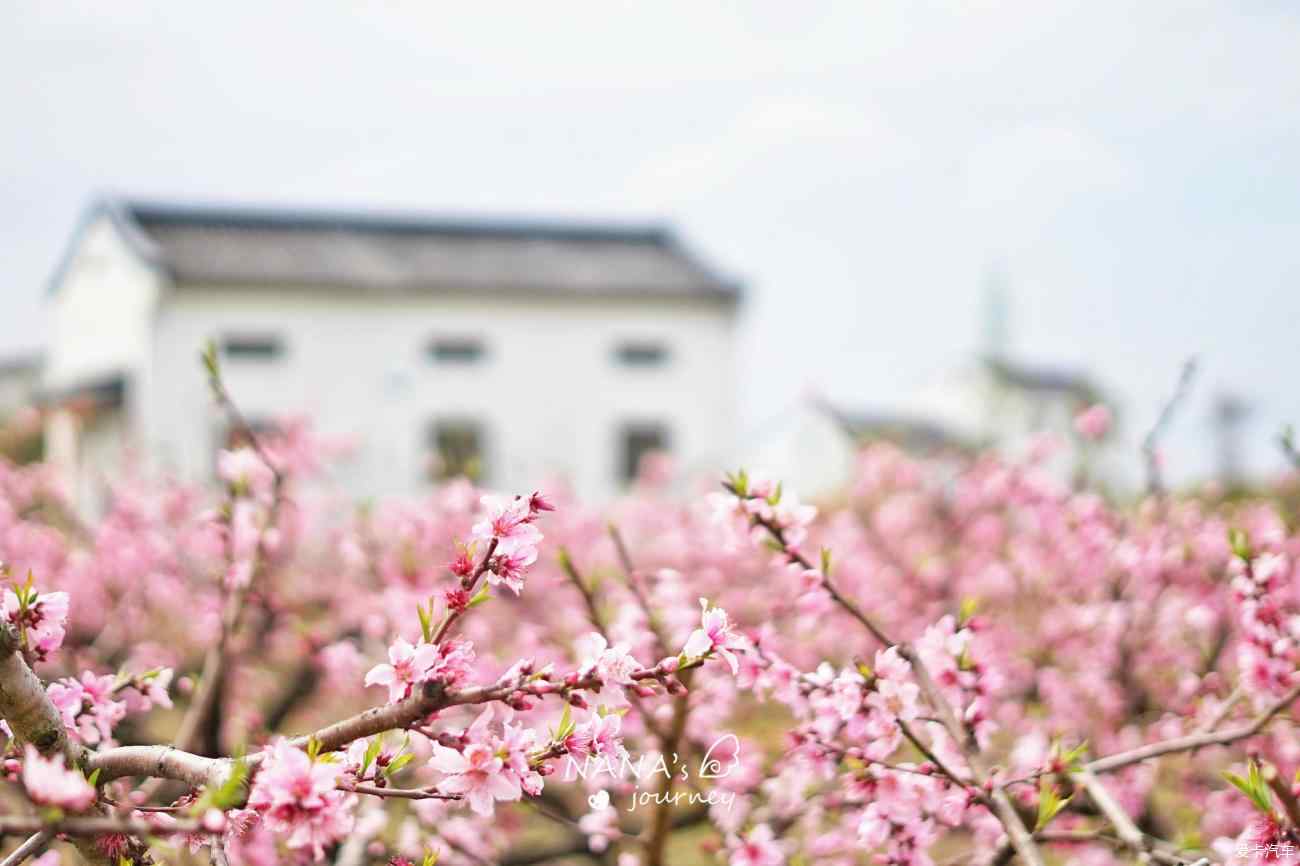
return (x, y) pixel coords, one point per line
(1194, 741)
(33, 844)
(87, 826)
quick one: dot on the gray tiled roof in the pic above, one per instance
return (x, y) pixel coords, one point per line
(1041, 380)
(224, 245)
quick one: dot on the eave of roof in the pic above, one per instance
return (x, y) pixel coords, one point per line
(133, 219)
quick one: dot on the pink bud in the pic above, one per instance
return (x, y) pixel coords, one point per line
(669, 665)
(538, 503)
(462, 565)
(456, 598)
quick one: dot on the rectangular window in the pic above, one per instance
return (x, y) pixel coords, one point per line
(456, 350)
(639, 440)
(641, 353)
(252, 347)
(457, 450)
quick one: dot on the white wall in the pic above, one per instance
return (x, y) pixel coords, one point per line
(101, 320)
(101, 314)
(548, 391)
(804, 448)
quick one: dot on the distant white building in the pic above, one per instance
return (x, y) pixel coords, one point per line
(514, 351)
(994, 403)
(814, 445)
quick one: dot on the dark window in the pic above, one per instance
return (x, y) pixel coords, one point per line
(457, 450)
(638, 441)
(253, 347)
(456, 350)
(641, 353)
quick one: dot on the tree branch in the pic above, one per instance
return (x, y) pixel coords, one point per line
(1194, 741)
(1003, 808)
(33, 844)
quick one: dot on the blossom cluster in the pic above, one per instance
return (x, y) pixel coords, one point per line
(409, 665)
(40, 618)
(296, 794)
(961, 654)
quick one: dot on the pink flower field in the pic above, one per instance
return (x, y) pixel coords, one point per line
(960, 659)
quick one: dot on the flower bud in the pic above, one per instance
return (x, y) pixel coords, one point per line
(457, 599)
(462, 565)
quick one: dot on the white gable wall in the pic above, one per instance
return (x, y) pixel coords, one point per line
(101, 325)
(102, 311)
(549, 391)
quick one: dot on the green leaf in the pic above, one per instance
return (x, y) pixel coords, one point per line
(395, 766)
(1071, 758)
(209, 357)
(431, 858)
(1253, 786)
(231, 792)
(826, 561)
(739, 483)
(1049, 804)
(481, 596)
(566, 723)
(967, 611)
(1239, 541)
(426, 621)
(375, 746)
(775, 497)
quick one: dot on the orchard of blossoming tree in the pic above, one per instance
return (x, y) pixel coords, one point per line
(959, 661)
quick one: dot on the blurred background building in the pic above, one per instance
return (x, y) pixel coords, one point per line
(1126, 167)
(511, 352)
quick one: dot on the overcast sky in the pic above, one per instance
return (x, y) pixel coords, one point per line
(1130, 167)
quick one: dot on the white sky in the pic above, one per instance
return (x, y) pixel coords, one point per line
(1131, 167)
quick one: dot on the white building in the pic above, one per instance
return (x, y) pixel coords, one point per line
(518, 351)
(993, 403)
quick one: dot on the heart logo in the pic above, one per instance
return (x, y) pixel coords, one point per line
(598, 801)
(728, 748)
